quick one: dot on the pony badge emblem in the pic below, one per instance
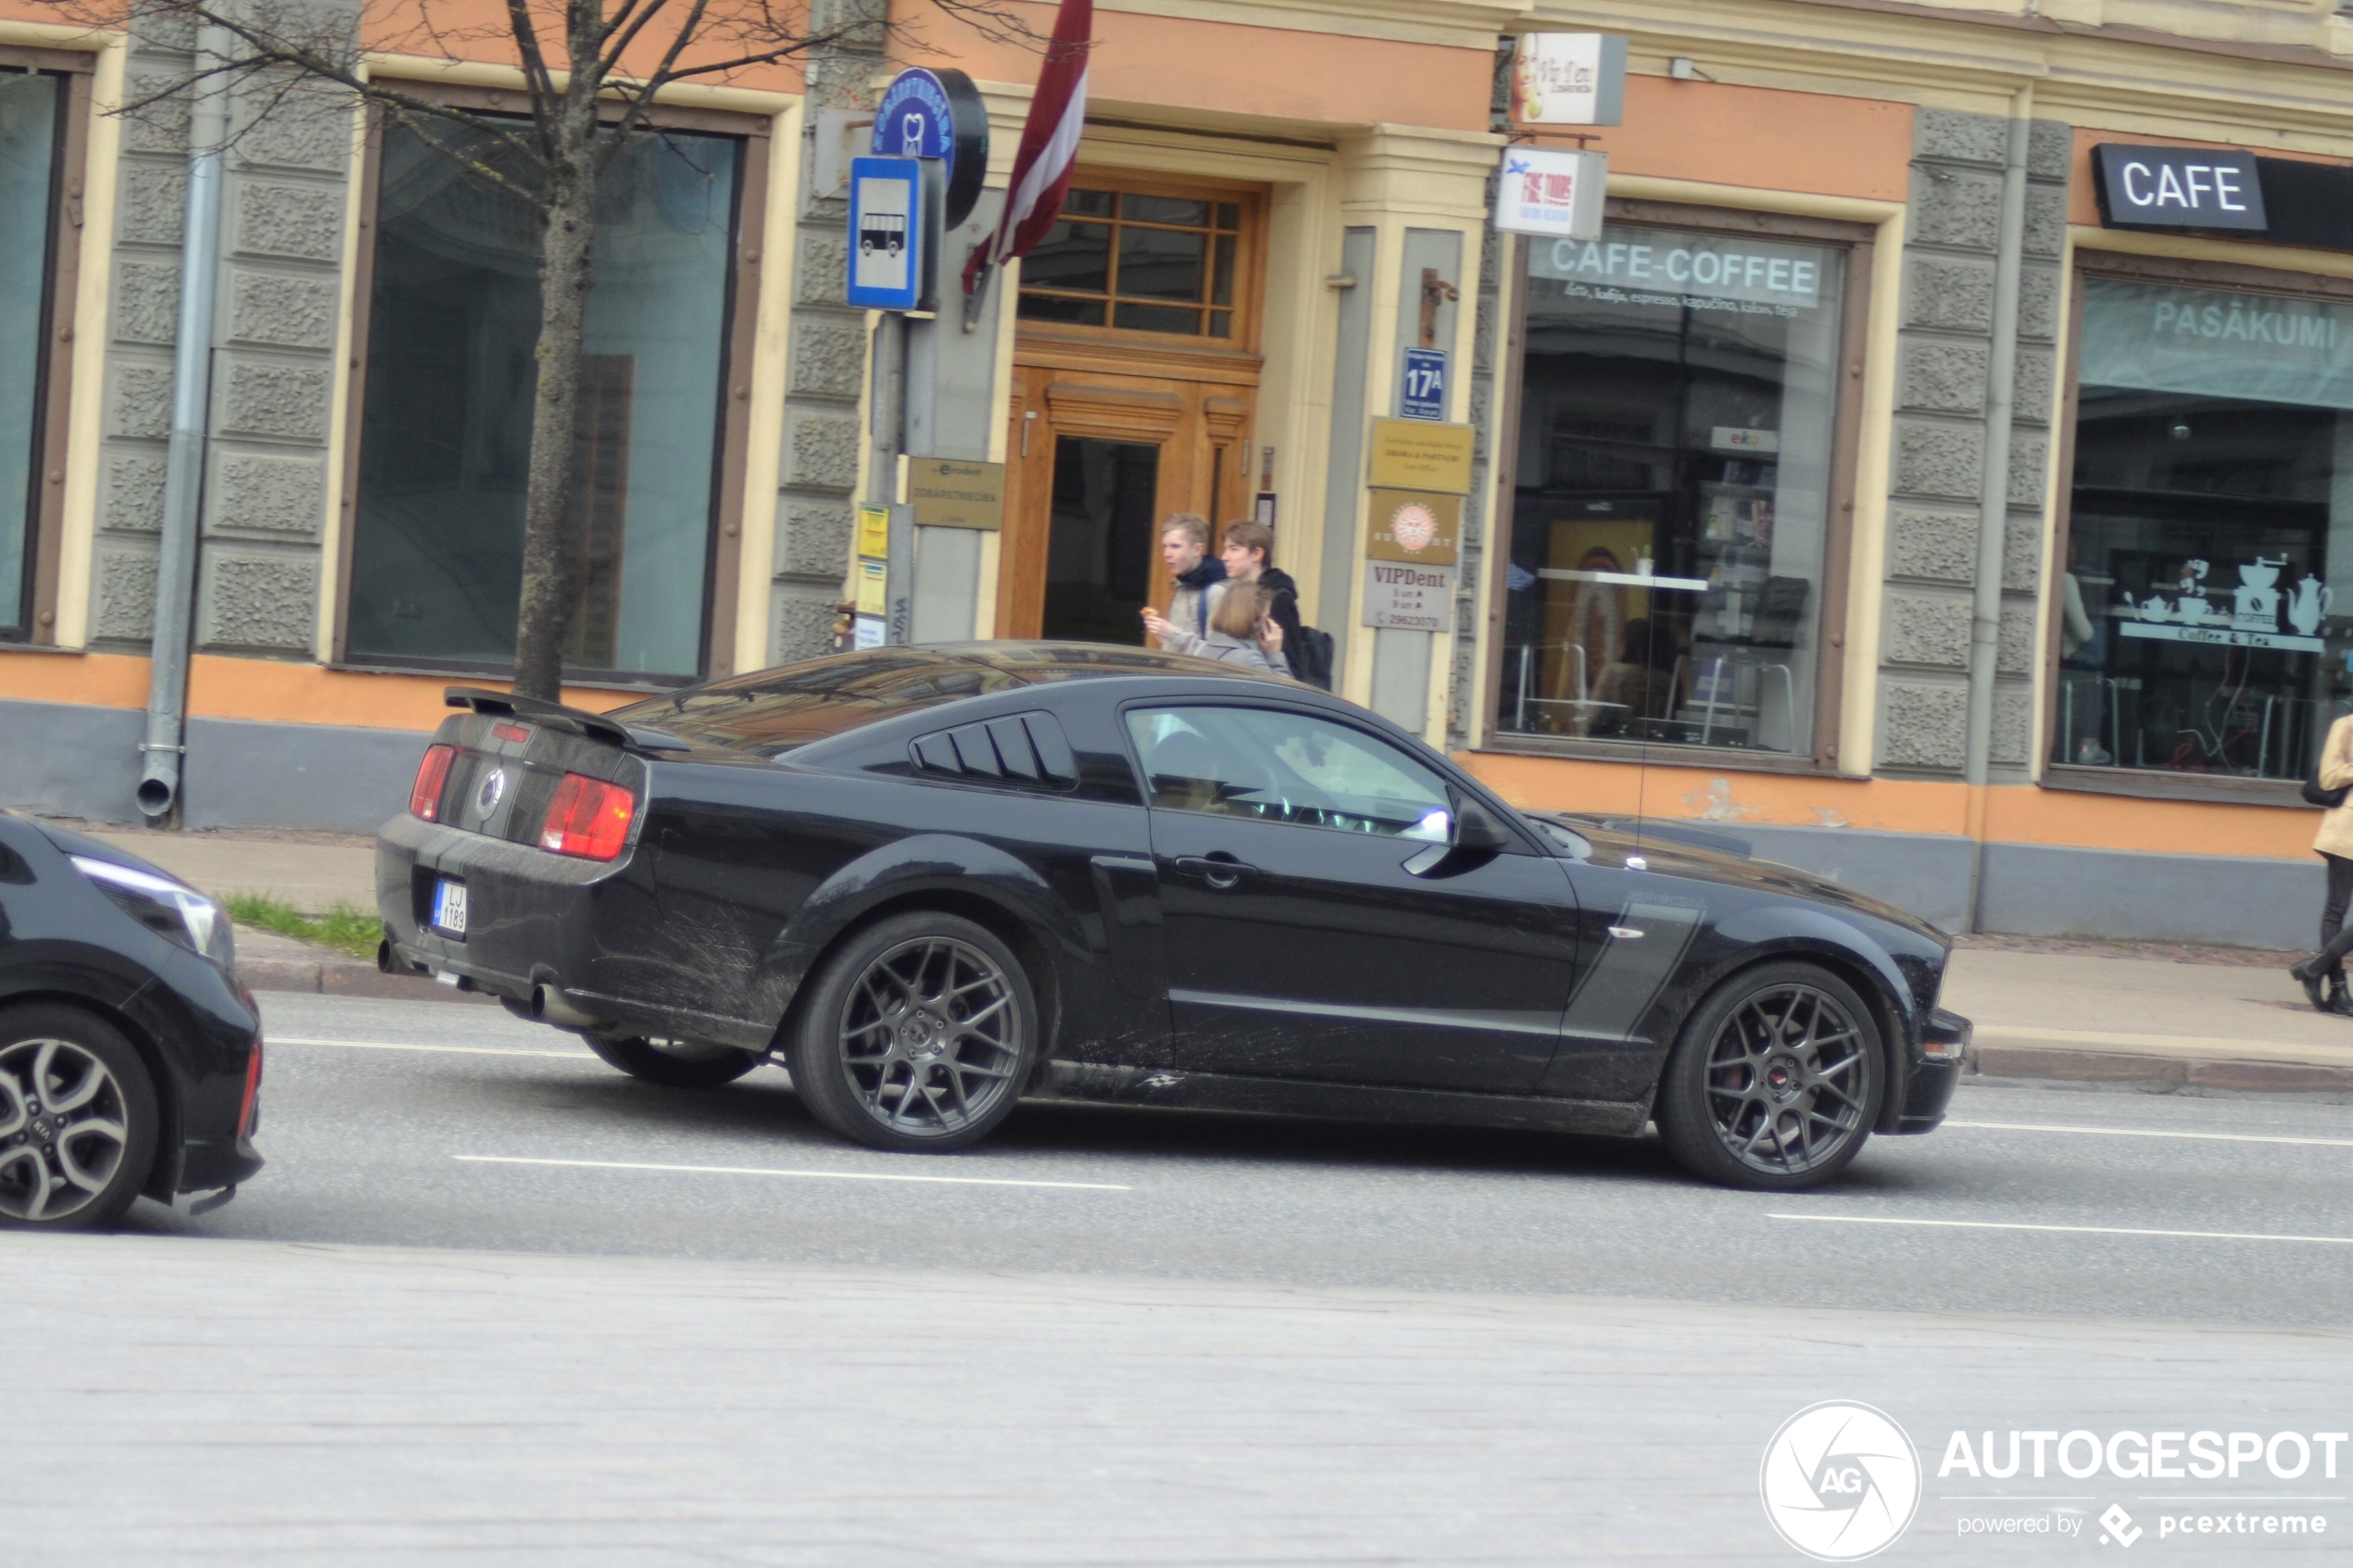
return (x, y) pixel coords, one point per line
(493, 790)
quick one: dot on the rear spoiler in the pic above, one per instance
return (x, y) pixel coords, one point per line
(573, 721)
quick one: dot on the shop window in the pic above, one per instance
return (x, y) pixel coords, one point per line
(437, 551)
(2207, 589)
(1138, 261)
(33, 144)
(1670, 516)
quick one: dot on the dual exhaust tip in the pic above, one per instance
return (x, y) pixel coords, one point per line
(548, 1003)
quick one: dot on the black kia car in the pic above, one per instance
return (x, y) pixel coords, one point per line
(934, 881)
(130, 1056)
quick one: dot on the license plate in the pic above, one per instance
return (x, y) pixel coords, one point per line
(449, 906)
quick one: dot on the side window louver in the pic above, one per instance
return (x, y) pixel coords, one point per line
(1026, 748)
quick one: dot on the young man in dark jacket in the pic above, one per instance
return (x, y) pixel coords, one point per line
(1248, 557)
(1184, 549)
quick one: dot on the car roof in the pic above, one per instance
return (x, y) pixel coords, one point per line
(771, 711)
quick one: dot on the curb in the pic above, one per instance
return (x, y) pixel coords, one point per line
(2159, 1073)
(332, 977)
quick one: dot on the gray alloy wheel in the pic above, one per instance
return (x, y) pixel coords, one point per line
(918, 1037)
(1777, 1081)
(77, 1120)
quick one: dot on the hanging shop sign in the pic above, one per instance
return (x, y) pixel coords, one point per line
(885, 233)
(1420, 526)
(2178, 188)
(938, 113)
(1548, 192)
(1568, 79)
(1420, 455)
(948, 493)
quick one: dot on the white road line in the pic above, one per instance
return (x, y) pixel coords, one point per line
(2066, 1230)
(2148, 1132)
(270, 1040)
(805, 1176)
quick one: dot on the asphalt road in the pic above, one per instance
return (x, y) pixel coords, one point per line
(495, 1302)
(423, 1127)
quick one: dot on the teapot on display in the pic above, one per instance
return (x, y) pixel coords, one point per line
(2308, 605)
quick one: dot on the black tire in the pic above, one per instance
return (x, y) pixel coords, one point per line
(1776, 1081)
(79, 1160)
(917, 1035)
(708, 1067)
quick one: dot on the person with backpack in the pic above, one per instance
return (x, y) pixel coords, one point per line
(1247, 554)
(2330, 786)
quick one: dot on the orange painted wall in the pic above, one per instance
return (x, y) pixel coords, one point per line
(2013, 814)
(1764, 137)
(1169, 62)
(477, 30)
(258, 689)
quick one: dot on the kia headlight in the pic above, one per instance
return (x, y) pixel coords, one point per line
(166, 907)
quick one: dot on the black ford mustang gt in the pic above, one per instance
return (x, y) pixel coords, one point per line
(934, 881)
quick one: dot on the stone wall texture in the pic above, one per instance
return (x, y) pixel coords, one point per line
(827, 360)
(1938, 479)
(265, 493)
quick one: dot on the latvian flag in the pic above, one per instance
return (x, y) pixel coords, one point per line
(1048, 145)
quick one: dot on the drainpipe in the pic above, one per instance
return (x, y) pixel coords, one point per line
(1993, 517)
(160, 753)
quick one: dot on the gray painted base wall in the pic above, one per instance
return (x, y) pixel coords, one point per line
(70, 760)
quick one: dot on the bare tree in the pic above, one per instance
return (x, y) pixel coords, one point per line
(591, 73)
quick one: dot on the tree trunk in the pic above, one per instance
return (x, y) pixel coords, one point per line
(564, 279)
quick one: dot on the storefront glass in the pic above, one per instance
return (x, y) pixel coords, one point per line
(28, 161)
(1671, 518)
(2207, 540)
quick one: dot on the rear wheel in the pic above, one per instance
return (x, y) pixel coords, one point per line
(78, 1120)
(679, 1065)
(1776, 1081)
(918, 1035)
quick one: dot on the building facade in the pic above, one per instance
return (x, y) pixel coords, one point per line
(1979, 521)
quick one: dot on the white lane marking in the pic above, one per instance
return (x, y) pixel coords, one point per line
(804, 1175)
(2148, 1133)
(2066, 1230)
(269, 1040)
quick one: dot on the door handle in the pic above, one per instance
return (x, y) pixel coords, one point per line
(1219, 870)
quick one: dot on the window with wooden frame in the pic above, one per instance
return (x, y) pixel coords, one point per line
(1676, 489)
(44, 117)
(1167, 258)
(2202, 604)
(442, 397)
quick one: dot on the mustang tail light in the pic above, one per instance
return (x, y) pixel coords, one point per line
(588, 818)
(424, 797)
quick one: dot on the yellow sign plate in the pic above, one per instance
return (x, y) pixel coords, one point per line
(873, 533)
(949, 493)
(1420, 455)
(873, 579)
(1417, 525)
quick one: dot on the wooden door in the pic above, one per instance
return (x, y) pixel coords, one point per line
(1134, 384)
(1098, 462)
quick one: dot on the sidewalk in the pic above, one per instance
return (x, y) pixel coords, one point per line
(2157, 1016)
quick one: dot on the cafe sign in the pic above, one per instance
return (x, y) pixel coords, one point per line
(2200, 188)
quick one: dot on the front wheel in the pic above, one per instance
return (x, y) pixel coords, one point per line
(1775, 1081)
(78, 1120)
(917, 1035)
(678, 1066)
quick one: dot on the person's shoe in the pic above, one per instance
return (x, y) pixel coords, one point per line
(2340, 1002)
(2309, 978)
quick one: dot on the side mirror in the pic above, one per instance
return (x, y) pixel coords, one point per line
(1475, 830)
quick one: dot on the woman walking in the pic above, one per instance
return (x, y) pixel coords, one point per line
(1242, 631)
(2334, 843)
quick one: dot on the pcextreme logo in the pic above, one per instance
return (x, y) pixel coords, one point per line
(1841, 1481)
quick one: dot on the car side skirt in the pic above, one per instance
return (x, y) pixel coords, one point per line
(1066, 1080)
